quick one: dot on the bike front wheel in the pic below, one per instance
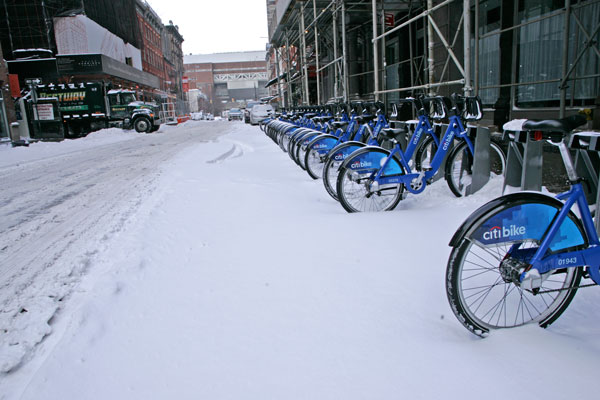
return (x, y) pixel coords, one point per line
(357, 192)
(482, 282)
(459, 167)
(424, 154)
(316, 154)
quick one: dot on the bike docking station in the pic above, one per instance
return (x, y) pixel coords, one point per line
(481, 159)
(524, 164)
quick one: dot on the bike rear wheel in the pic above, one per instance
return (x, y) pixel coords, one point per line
(482, 286)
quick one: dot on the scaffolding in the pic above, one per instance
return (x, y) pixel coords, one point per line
(28, 24)
(382, 49)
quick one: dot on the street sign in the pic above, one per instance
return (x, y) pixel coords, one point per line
(389, 19)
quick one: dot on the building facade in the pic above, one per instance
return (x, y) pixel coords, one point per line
(174, 67)
(228, 78)
(524, 58)
(121, 42)
(150, 27)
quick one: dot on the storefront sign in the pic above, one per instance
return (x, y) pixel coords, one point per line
(45, 112)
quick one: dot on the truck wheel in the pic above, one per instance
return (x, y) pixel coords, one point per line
(142, 125)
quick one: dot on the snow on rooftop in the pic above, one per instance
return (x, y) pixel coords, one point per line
(242, 56)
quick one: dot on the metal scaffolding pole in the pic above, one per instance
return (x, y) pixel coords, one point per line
(383, 60)
(467, 46)
(375, 50)
(476, 38)
(344, 50)
(288, 70)
(317, 53)
(411, 52)
(565, 60)
(430, 43)
(336, 75)
(305, 94)
(278, 72)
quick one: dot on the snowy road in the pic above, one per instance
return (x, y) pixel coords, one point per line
(56, 210)
(220, 270)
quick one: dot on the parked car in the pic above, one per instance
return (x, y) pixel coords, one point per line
(235, 113)
(247, 110)
(260, 112)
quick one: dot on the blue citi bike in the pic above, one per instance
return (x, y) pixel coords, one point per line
(374, 178)
(371, 129)
(520, 258)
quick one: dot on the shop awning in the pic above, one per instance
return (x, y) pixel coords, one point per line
(274, 80)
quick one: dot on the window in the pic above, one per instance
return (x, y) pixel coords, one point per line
(540, 50)
(490, 14)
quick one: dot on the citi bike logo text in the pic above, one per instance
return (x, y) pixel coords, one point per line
(320, 146)
(417, 136)
(448, 141)
(340, 156)
(499, 232)
(360, 164)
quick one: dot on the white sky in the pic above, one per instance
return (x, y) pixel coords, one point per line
(216, 26)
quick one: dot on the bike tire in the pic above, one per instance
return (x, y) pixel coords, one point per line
(302, 146)
(314, 158)
(458, 171)
(424, 154)
(353, 188)
(479, 291)
(332, 165)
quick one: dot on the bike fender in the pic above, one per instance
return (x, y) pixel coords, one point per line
(513, 199)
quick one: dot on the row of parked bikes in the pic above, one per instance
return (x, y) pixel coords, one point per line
(518, 259)
(361, 159)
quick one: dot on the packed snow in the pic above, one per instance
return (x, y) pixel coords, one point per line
(236, 276)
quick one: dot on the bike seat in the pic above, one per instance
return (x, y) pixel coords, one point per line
(564, 125)
(392, 132)
(339, 124)
(365, 117)
(310, 115)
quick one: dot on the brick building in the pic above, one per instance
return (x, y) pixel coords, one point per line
(174, 68)
(228, 77)
(150, 26)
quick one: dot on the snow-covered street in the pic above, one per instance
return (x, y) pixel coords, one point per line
(201, 263)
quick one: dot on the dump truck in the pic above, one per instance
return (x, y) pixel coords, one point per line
(87, 107)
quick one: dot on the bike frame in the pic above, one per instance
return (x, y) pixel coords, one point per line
(455, 129)
(589, 256)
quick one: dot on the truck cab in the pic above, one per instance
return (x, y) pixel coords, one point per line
(123, 105)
